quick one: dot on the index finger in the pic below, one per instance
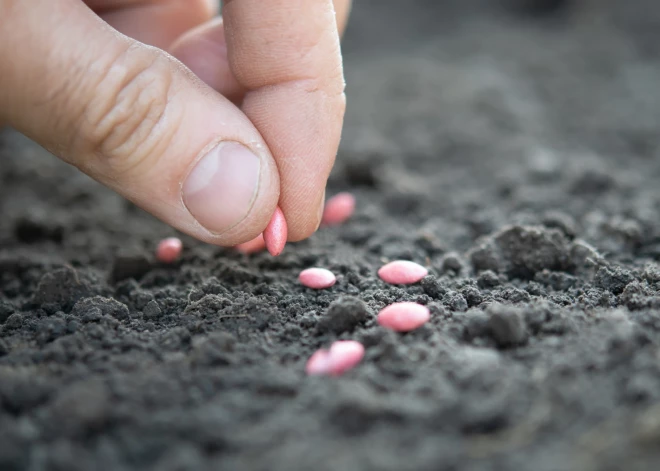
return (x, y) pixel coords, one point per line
(286, 53)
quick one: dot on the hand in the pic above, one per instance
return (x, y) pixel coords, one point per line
(211, 157)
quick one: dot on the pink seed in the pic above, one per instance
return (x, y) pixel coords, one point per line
(338, 209)
(342, 356)
(402, 272)
(317, 278)
(404, 317)
(276, 233)
(318, 363)
(252, 246)
(169, 249)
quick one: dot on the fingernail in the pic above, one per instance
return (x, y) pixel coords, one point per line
(220, 190)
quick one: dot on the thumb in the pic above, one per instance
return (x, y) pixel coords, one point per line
(135, 119)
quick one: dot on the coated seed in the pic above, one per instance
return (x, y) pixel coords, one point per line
(317, 278)
(342, 356)
(338, 209)
(169, 249)
(402, 272)
(276, 233)
(404, 317)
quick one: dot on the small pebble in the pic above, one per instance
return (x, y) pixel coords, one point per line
(507, 325)
(403, 317)
(342, 356)
(402, 272)
(252, 246)
(317, 278)
(276, 233)
(338, 209)
(169, 250)
(344, 315)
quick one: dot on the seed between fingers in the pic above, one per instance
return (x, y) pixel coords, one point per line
(276, 233)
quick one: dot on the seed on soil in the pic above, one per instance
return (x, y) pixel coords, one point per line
(404, 317)
(341, 357)
(344, 355)
(276, 233)
(318, 363)
(169, 249)
(338, 209)
(317, 278)
(402, 272)
(252, 246)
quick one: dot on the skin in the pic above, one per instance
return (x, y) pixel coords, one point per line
(135, 92)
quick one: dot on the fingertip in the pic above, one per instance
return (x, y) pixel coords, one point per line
(204, 51)
(303, 221)
(342, 12)
(166, 20)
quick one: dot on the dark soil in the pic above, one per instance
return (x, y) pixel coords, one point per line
(512, 148)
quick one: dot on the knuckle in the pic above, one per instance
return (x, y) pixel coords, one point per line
(127, 121)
